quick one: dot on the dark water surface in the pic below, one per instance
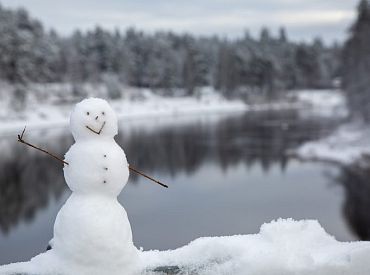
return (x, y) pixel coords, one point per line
(227, 175)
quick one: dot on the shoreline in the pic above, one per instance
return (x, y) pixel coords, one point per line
(58, 116)
(346, 146)
(308, 103)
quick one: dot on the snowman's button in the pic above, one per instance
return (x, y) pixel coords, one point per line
(105, 155)
(104, 181)
(105, 168)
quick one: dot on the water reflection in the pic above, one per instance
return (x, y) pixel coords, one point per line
(262, 138)
(27, 181)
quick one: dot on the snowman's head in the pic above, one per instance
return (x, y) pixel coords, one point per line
(93, 118)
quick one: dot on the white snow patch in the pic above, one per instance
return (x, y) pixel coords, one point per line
(321, 103)
(49, 106)
(281, 247)
(346, 145)
(45, 115)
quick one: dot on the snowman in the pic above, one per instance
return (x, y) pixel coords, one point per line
(92, 226)
(92, 234)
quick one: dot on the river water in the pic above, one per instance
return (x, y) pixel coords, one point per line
(228, 174)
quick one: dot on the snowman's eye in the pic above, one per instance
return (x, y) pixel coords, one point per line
(103, 113)
(88, 113)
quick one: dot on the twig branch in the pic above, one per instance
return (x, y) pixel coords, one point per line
(145, 176)
(21, 140)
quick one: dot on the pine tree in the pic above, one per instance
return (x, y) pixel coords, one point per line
(282, 35)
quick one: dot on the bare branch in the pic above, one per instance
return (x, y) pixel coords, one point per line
(21, 140)
(145, 176)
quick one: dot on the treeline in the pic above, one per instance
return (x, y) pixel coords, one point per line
(356, 63)
(162, 60)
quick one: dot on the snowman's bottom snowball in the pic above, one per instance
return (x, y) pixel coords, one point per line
(283, 247)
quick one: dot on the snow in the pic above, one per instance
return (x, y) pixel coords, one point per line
(92, 229)
(48, 114)
(346, 145)
(282, 247)
(321, 103)
(93, 118)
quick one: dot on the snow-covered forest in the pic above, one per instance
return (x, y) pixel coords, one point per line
(270, 63)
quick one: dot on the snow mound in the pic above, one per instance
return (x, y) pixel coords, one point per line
(345, 146)
(322, 103)
(281, 247)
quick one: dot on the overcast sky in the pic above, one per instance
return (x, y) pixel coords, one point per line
(303, 19)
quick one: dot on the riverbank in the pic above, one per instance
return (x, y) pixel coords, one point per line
(144, 104)
(350, 143)
(40, 116)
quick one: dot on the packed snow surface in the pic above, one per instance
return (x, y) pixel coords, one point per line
(346, 145)
(282, 247)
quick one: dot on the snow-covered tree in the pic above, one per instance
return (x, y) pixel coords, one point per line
(267, 65)
(356, 63)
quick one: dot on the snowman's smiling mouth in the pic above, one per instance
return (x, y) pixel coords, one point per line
(96, 132)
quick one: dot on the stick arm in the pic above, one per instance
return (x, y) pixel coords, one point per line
(146, 176)
(21, 140)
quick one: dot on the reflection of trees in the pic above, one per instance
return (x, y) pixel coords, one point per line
(168, 150)
(254, 138)
(263, 138)
(29, 178)
(27, 181)
(356, 182)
